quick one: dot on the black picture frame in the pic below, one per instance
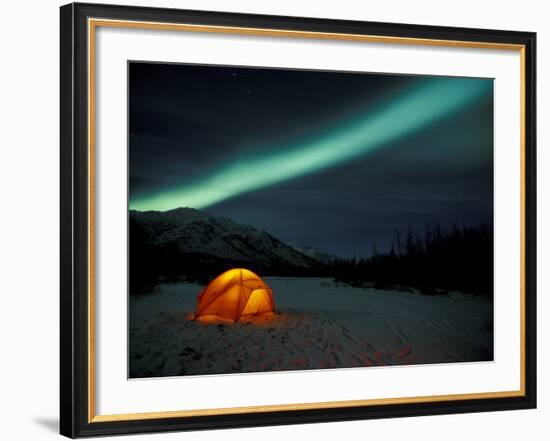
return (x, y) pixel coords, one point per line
(76, 417)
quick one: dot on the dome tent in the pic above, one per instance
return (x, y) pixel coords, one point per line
(235, 295)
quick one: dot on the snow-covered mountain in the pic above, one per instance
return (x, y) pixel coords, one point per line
(314, 253)
(196, 233)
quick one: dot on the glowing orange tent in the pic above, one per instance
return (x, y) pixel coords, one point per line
(236, 295)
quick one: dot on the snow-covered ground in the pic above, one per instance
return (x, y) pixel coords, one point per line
(319, 324)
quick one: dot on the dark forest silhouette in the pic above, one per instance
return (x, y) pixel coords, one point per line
(436, 262)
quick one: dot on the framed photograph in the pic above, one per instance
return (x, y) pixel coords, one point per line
(273, 220)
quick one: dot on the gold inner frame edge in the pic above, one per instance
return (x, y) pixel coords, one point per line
(92, 25)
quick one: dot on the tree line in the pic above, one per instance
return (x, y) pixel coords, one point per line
(435, 262)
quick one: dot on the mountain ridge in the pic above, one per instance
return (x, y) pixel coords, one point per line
(186, 241)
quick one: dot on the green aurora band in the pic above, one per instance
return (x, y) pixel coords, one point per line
(419, 106)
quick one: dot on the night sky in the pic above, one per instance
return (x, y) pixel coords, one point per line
(336, 161)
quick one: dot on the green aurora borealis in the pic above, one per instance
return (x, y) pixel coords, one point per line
(375, 127)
